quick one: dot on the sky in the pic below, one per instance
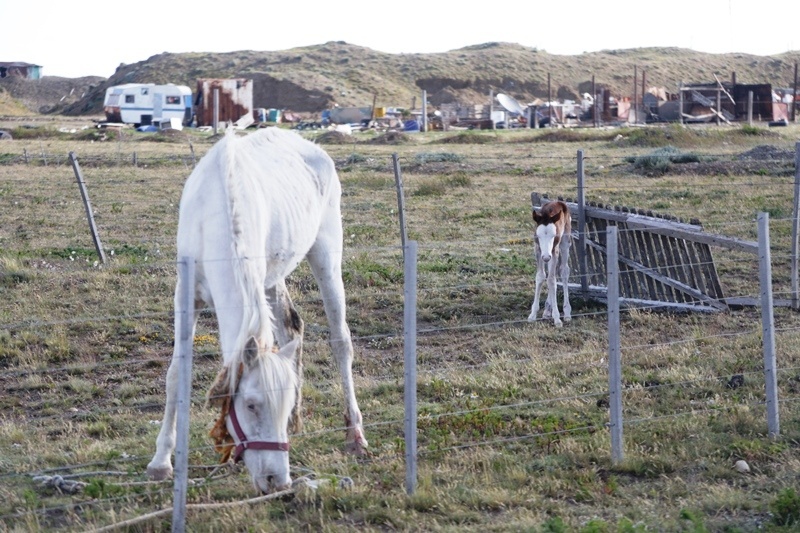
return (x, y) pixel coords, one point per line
(92, 38)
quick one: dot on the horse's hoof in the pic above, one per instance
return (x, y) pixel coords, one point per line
(558, 323)
(356, 447)
(532, 317)
(159, 473)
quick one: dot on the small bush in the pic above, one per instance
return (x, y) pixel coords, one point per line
(437, 157)
(662, 159)
(786, 508)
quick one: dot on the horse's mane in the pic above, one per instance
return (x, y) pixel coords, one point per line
(256, 316)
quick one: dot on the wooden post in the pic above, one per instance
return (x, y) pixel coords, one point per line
(595, 120)
(614, 354)
(215, 116)
(549, 102)
(424, 125)
(750, 108)
(768, 324)
(680, 103)
(794, 94)
(410, 354)
(719, 105)
(25, 155)
(644, 89)
(401, 203)
(635, 98)
(88, 206)
(186, 267)
(491, 108)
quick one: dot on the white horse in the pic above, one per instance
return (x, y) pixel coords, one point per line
(254, 207)
(552, 242)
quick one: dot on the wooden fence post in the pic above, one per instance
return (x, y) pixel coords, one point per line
(88, 206)
(401, 203)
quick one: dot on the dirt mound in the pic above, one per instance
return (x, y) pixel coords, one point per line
(766, 152)
(468, 138)
(391, 137)
(334, 137)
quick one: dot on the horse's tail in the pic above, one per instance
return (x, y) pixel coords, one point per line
(256, 316)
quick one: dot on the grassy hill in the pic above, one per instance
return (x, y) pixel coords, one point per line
(312, 78)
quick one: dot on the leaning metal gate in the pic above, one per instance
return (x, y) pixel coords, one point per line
(663, 262)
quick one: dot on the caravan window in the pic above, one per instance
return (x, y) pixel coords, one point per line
(173, 99)
(130, 98)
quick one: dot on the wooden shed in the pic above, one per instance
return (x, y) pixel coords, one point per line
(18, 69)
(231, 100)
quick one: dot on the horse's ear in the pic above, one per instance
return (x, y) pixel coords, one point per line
(220, 389)
(250, 351)
(537, 218)
(289, 350)
(556, 217)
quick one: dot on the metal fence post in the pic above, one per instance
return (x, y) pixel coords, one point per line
(614, 357)
(410, 352)
(186, 267)
(582, 228)
(768, 324)
(795, 226)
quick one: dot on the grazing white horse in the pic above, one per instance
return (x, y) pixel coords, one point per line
(254, 207)
(552, 242)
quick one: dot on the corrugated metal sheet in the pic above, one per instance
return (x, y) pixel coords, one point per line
(235, 101)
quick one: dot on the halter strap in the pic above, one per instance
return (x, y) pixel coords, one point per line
(244, 444)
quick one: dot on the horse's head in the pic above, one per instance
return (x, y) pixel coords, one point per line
(547, 233)
(254, 417)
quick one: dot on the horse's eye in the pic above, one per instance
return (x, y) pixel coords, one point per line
(251, 407)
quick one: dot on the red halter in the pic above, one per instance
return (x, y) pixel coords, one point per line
(244, 444)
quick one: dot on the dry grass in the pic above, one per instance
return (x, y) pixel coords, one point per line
(512, 415)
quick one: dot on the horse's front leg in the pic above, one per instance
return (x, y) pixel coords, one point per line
(540, 277)
(326, 266)
(552, 296)
(160, 466)
(289, 326)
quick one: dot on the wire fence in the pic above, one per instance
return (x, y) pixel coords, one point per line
(462, 280)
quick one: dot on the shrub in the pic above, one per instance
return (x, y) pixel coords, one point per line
(786, 508)
(660, 160)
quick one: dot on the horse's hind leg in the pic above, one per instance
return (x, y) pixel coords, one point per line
(564, 255)
(552, 297)
(325, 259)
(289, 326)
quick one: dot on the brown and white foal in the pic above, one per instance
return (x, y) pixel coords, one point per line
(551, 242)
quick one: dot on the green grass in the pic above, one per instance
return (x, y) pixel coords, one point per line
(512, 429)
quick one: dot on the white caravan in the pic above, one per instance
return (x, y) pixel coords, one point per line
(147, 103)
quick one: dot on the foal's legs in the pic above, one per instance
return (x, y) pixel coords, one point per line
(552, 302)
(541, 275)
(288, 326)
(564, 271)
(325, 259)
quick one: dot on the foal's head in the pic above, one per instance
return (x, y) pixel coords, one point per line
(550, 223)
(255, 407)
